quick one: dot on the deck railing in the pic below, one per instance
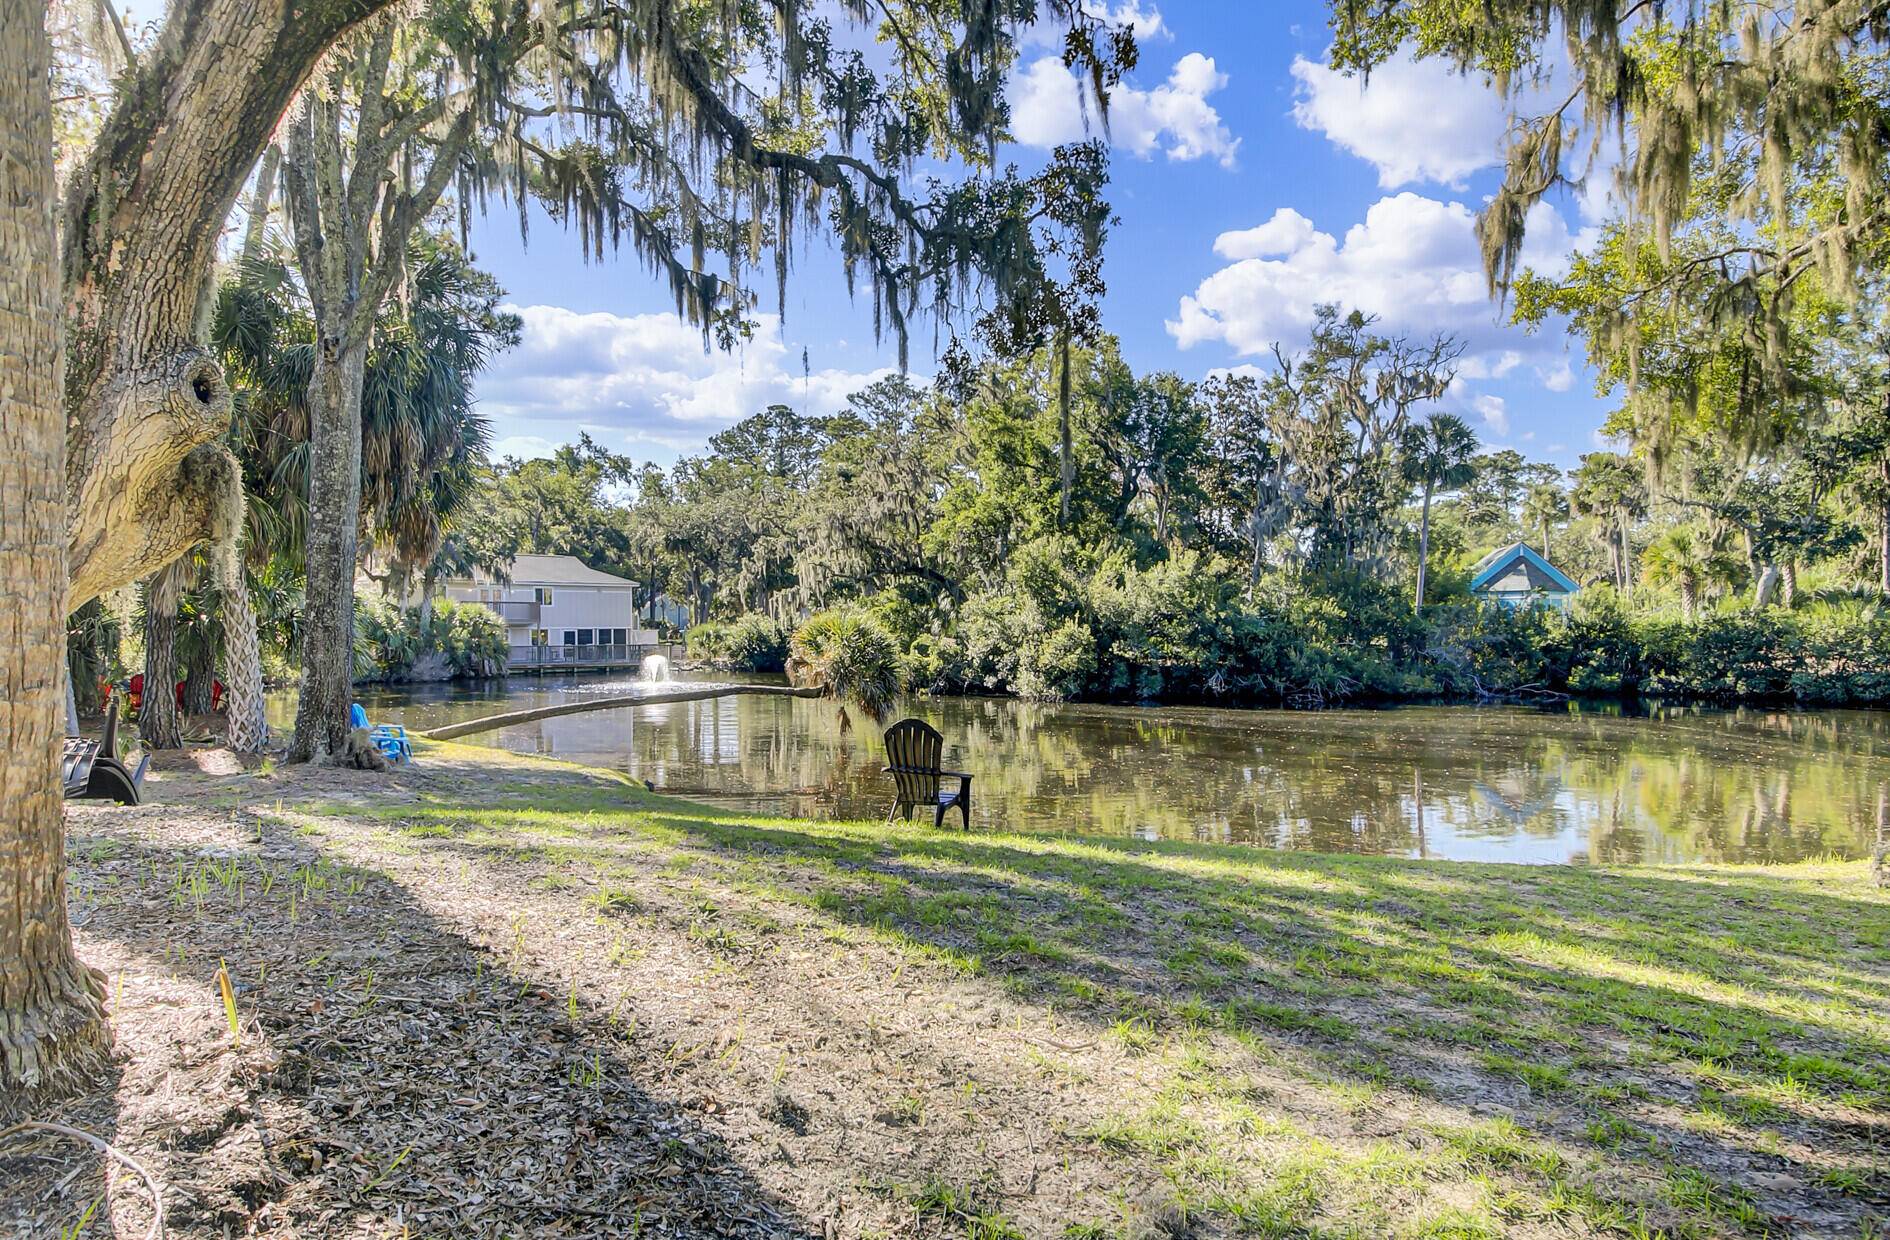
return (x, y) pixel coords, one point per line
(614, 655)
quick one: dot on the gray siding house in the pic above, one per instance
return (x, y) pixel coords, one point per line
(561, 614)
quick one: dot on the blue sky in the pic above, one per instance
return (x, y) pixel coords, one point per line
(1251, 182)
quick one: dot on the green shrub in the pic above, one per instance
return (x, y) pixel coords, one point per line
(707, 642)
(1845, 656)
(754, 644)
(389, 639)
(1476, 649)
(751, 643)
(472, 638)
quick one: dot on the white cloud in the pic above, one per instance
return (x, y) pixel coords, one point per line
(1490, 367)
(1050, 106)
(1560, 378)
(1413, 120)
(645, 378)
(1413, 261)
(1495, 412)
(1285, 232)
(524, 447)
(1147, 24)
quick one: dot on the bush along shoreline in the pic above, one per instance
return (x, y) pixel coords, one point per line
(1176, 634)
(453, 641)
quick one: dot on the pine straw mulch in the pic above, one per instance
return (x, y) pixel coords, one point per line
(390, 1078)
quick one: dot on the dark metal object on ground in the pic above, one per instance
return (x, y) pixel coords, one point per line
(93, 771)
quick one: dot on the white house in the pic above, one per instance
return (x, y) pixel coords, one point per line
(558, 611)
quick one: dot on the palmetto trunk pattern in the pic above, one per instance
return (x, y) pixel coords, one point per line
(157, 713)
(242, 658)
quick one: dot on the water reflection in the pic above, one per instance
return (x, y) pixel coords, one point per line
(1498, 783)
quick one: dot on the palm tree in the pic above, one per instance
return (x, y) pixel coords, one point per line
(1437, 457)
(1545, 504)
(1687, 558)
(849, 657)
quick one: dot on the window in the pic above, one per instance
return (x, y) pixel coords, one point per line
(620, 636)
(584, 637)
(541, 595)
(570, 637)
(540, 637)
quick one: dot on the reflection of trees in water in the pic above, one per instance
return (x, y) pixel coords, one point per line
(1749, 785)
(1694, 800)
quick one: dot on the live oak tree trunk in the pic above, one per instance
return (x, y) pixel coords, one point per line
(157, 713)
(1066, 451)
(1259, 498)
(52, 1019)
(1767, 586)
(1627, 558)
(352, 220)
(142, 219)
(1883, 524)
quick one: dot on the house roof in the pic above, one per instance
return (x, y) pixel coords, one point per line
(560, 570)
(1493, 565)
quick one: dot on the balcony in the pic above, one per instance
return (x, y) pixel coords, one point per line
(516, 611)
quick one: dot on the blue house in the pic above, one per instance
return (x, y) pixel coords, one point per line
(1517, 576)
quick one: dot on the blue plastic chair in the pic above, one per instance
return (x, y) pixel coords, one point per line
(389, 738)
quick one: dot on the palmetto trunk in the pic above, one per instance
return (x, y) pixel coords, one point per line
(52, 1023)
(157, 714)
(1689, 597)
(1424, 548)
(334, 518)
(200, 674)
(242, 656)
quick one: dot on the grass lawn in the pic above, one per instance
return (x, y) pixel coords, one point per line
(1176, 1039)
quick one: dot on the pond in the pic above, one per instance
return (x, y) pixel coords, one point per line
(1466, 783)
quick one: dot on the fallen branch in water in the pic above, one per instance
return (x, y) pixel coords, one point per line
(447, 732)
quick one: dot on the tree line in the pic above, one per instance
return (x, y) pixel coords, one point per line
(1149, 536)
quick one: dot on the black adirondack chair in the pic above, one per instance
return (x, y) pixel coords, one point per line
(913, 751)
(93, 771)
